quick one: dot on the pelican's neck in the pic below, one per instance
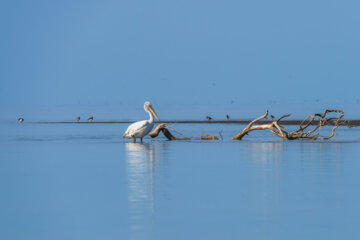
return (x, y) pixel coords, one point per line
(151, 120)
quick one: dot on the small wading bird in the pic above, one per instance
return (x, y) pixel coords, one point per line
(142, 128)
(78, 119)
(227, 117)
(91, 119)
(20, 120)
(208, 118)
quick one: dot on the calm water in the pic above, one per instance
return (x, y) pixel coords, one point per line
(83, 181)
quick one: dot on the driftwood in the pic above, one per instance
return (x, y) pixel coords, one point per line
(302, 132)
(164, 129)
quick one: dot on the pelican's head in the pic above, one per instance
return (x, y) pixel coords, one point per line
(148, 107)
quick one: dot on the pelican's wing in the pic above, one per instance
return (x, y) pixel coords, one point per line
(136, 128)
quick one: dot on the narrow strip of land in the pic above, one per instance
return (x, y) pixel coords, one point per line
(352, 123)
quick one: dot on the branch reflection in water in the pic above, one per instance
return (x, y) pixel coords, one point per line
(276, 171)
(266, 151)
(266, 158)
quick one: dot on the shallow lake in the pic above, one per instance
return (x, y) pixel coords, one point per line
(83, 181)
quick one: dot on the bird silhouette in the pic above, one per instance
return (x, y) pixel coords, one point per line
(208, 118)
(227, 117)
(78, 119)
(90, 119)
(20, 120)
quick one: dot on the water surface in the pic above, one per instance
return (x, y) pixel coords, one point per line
(77, 181)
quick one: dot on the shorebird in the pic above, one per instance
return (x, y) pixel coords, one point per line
(227, 117)
(208, 118)
(142, 128)
(90, 119)
(272, 117)
(20, 120)
(78, 119)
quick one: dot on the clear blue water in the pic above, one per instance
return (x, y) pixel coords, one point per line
(83, 181)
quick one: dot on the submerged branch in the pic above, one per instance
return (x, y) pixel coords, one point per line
(165, 130)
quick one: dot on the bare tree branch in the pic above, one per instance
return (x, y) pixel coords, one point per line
(249, 127)
(299, 133)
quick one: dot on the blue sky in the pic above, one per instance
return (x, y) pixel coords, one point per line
(178, 52)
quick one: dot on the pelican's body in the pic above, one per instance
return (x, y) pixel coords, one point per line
(139, 129)
(142, 128)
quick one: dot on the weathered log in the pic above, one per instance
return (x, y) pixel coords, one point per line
(163, 128)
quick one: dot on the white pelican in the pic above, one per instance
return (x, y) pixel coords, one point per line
(142, 128)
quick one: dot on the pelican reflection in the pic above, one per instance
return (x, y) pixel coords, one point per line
(140, 158)
(140, 173)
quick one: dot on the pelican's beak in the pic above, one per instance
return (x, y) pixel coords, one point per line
(153, 112)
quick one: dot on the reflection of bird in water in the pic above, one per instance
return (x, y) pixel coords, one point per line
(90, 119)
(142, 128)
(78, 119)
(140, 180)
(20, 120)
(227, 117)
(208, 118)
